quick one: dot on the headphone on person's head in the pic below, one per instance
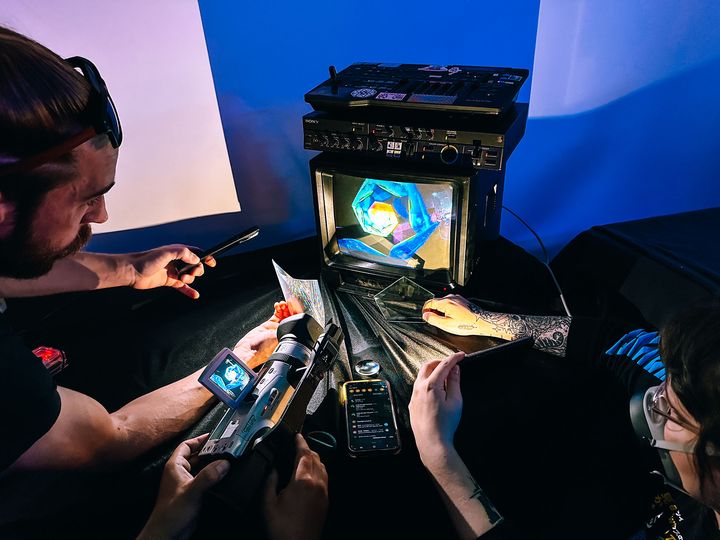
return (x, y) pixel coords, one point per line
(100, 114)
(650, 427)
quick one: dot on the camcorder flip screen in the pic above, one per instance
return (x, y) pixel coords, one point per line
(229, 378)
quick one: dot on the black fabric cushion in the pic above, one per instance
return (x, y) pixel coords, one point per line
(646, 269)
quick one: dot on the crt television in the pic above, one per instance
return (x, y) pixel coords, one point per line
(378, 222)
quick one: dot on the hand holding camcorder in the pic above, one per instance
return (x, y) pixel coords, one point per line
(267, 409)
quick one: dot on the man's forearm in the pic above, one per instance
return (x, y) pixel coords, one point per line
(471, 511)
(549, 333)
(79, 272)
(156, 417)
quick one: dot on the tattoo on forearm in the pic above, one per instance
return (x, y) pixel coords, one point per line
(549, 333)
(493, 515)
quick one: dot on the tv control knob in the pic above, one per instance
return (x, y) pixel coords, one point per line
(335, 142)
(449, 154)
(357, 144)
(346, 143)
(375, 145)
(325, 140)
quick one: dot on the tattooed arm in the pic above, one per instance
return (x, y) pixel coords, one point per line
(456, 315)
(435, 409)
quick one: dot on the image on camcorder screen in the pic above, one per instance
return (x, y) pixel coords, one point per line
(230, 377)
(404, 224)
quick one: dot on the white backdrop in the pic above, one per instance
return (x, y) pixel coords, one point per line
(173, 161)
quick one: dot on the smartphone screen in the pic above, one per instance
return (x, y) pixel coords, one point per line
(371, 425)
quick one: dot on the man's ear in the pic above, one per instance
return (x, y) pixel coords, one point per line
(7, 216)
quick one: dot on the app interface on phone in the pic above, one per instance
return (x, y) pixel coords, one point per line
(370, 417)
(231, 377)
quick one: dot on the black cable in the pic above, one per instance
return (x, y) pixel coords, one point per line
(546, 262)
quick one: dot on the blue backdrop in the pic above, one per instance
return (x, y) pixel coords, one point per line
(623, 106)
(624, 113)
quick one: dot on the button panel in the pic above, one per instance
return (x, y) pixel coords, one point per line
(411, 143)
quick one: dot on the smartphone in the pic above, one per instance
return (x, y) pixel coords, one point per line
(370, 418)
(222, 247)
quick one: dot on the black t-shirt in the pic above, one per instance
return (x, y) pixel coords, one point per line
(29, 400)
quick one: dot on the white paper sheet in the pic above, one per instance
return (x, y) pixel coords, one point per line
(303, 295)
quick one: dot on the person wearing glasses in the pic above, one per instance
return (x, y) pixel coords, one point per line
(59, 140)
(671, 379)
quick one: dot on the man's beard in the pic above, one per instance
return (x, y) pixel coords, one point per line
(24, 257)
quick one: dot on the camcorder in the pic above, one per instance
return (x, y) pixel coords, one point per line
(257, 433)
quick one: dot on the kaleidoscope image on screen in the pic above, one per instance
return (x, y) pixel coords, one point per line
(395, 223)
(231, 378)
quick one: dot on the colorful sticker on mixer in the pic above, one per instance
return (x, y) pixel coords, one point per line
(434, 68)
(363, 93)
(389, 96)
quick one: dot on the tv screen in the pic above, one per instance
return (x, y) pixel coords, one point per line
(379, 221)
(397, 223)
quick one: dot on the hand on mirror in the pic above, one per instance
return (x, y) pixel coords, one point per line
(298, 511)
(436, 407)
(180, 495)
(456, 315)
(156, 268)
